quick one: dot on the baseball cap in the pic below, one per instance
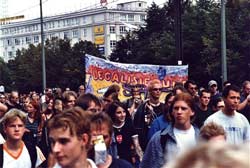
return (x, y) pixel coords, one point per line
(212, 82)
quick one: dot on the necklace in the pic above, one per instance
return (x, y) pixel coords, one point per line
(119, 127)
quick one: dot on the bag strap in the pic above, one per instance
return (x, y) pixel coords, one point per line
(1, 155)
(32, 152)
(163, 140)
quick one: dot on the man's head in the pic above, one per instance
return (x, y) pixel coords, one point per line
(246, 88)
(212, 86)
(231, 97)
(69, 134)
(81, 90)
(182, 110)
(69, 98)
(101, 124)
(89, 102)
(14, 124)
(155, 88)
(14, 97)
(212, 132)
(191, 87)
(205, 96)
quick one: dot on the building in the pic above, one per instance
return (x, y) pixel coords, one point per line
(103, 26)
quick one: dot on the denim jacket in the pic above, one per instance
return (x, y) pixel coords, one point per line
(154, 156)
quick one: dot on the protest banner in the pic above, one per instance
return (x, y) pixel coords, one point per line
(101, 73)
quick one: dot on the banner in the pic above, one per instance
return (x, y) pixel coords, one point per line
(100, 74)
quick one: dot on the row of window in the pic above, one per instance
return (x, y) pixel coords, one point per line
(65, 22)
(35, 39)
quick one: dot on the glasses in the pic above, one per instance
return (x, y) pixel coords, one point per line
(157, 89)
(193, 88)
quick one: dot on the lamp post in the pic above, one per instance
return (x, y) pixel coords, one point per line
(42, 45)
(178, 34)
(223, 41)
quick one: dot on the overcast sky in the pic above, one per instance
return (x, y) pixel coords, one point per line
(30, 8)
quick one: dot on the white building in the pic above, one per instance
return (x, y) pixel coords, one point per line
(103, 26)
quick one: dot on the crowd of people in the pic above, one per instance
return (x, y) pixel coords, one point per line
(72, 129)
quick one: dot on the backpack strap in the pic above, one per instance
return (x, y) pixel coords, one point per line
(1, 155)
(163, 140)
(32, 152)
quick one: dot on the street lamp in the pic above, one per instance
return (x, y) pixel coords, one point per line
(178, 34)
(223, 42)
(42, 45)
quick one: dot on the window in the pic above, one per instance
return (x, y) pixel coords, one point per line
(122, 29)
(112, 44)
(10, 54)
(9, 42)
(142, 18)
(112, 16)
(84, 32)
(36, 39)
(131, 18)
(123, 17)
(84, 19)
(112, 29)
(28, 40)
(17, 42)
(66, 35)
(75, 34)
(139, 5)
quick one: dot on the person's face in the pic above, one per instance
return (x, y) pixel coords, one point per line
(103, 130)
(182, 113)
(155, 91)
(30, 108)
(15, 130)
(14, 97)
(220, 105)
(81, 90)
(120, 115)
(169, 102)
(213, 88)
(2, 99)
(71, 101)
(49, 92)
(26, 103)
(93, 107)
(68, 149)
(192, 88)
(59, 105)
(247, 89)
(50, 104)
(232, 101)
(107, 101)
(205, 98)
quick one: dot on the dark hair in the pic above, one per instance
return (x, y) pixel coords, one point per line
(204, 91)
(102, 118)
(112, 109)
(84, 101)
(226, 90)
(189, 82)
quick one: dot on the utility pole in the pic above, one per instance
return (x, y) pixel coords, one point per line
(178, 34)
(223, 41)
(42, 45)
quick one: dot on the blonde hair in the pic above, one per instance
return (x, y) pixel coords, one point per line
(12, 115)
(214, 155)
(152, 83)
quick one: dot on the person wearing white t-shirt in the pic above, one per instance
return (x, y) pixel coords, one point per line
(166, 145)
(235, 124)
(14, 151)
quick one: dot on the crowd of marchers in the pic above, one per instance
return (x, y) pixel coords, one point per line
(76, 129)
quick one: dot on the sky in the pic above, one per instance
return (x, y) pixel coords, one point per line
(30, 8)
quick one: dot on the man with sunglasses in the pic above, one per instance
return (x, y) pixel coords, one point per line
(148, 111)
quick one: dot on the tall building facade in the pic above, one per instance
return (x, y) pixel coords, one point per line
(102, 26)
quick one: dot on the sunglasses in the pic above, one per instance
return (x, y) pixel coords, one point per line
(157, 89)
